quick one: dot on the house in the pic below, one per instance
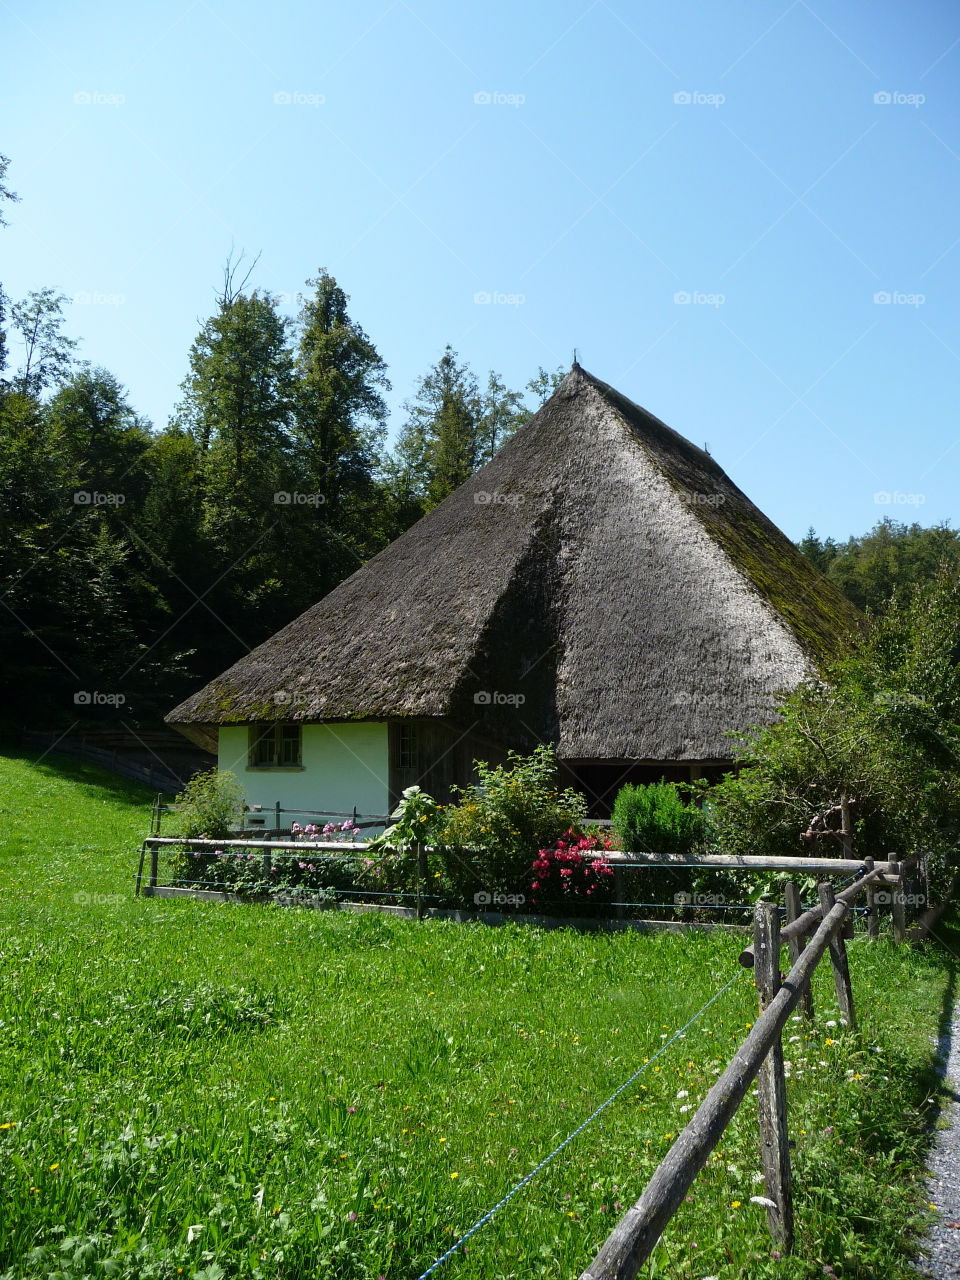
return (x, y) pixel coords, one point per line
(601, 585)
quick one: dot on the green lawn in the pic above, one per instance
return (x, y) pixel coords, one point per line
(215, 1090)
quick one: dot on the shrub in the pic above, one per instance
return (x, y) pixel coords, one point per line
(566, 881)
(495, 832)
(656, 819)
(210, 805)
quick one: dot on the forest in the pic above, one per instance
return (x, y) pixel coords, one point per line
(138, 560)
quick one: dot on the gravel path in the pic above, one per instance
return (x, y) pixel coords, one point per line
(940, 1248)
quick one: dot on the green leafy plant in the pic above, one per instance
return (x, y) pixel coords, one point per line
(501, 823)
(210, 805)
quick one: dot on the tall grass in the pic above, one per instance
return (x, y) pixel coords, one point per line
(201, 1090)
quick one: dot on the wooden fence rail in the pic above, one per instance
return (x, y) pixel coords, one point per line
(636, 1235)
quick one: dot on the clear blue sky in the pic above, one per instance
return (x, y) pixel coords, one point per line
(147, 139)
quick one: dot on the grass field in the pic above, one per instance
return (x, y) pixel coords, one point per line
(218, 1091)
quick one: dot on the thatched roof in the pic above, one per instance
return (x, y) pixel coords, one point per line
(617, 579)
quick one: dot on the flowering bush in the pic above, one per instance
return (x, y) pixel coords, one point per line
(566, 879)
(494, 833)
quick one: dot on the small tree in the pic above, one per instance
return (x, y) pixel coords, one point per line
(210, 806)
(866, 759)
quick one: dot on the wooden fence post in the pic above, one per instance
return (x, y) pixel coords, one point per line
(154, 865)
(838, 958)
(793, 910)
(772, 1085)
(873, 915)
(897, 905)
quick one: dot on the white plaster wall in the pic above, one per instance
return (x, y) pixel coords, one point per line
(345, 766)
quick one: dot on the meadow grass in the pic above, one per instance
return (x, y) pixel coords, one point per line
(218, 1090)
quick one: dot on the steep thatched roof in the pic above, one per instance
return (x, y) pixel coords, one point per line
(616, 579)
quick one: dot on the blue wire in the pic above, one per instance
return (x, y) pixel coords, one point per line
(556, 1151)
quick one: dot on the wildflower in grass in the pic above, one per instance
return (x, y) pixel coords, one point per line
(351, 1217)
(11, 1124)
(734, 1204)
(764, 1201)
(54, 1166)
(454, 1175)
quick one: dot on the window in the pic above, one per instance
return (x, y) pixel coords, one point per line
(407, 747)
(274, 746)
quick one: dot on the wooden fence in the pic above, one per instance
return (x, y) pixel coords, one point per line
(810, 936)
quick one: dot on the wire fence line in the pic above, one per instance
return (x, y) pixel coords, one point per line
(579, 1129)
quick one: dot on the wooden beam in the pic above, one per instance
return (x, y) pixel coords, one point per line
(806, 923)
(838, 958)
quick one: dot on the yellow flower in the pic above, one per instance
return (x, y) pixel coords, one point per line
(828, 1041)
(454, 1175)
(734, 1204)
(54, 1166)
(11, 1124)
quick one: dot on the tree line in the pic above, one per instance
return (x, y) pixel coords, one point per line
(140, 562)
